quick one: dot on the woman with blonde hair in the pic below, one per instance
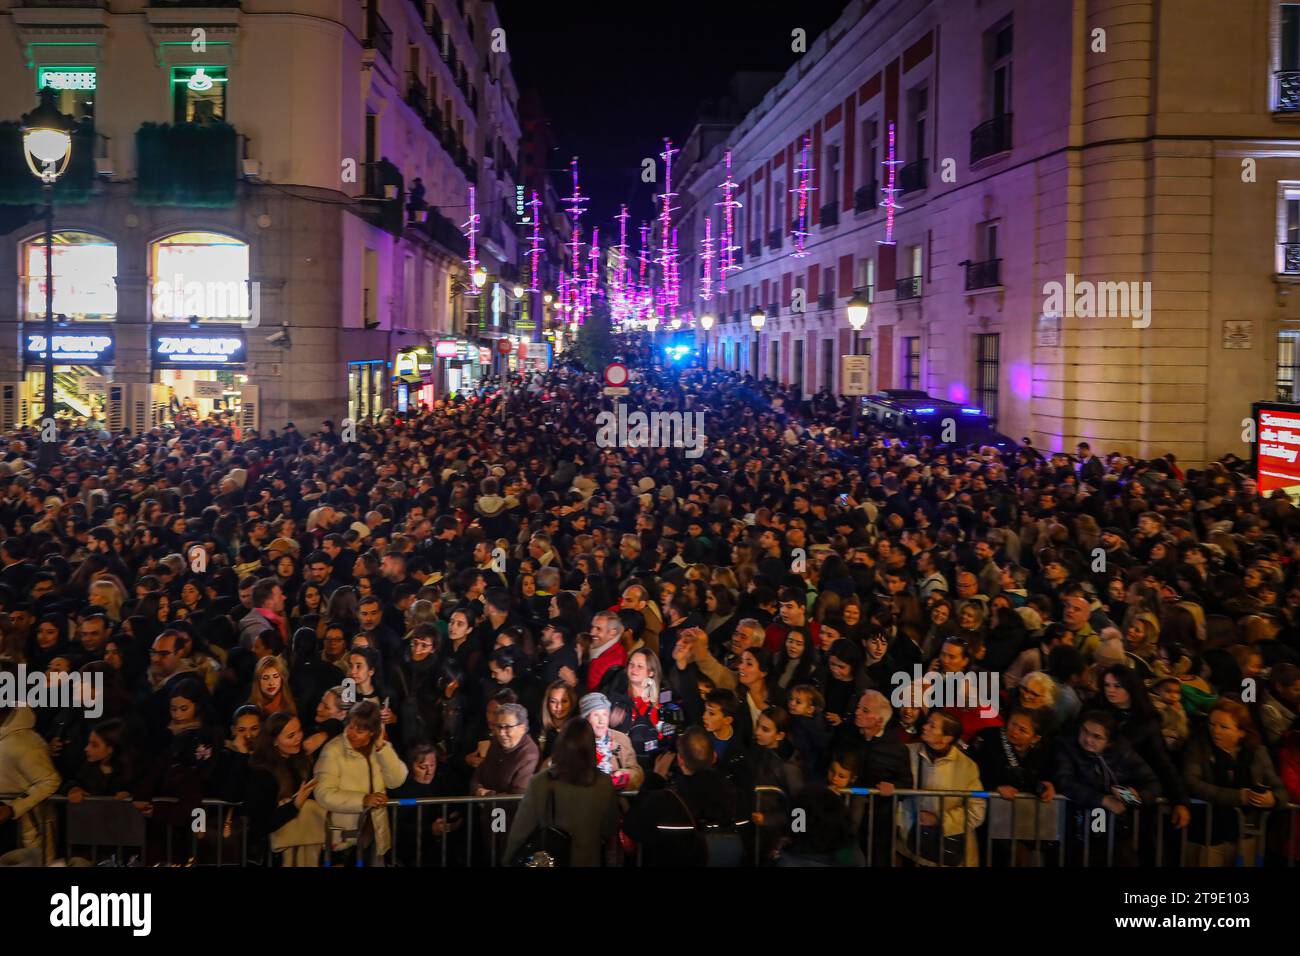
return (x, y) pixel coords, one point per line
(108, 594)
(271, 690)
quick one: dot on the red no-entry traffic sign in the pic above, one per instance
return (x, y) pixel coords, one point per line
(503, 346)
(616, 375)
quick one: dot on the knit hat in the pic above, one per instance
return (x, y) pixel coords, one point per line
(591, 703)
(645, 484)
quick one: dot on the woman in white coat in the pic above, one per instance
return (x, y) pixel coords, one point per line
(946, 835)
(353, 773)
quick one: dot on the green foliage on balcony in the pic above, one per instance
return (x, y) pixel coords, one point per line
(18, 187)
(187, 164)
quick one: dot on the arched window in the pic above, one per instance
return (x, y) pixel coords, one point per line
(199, 276)
(85, 277)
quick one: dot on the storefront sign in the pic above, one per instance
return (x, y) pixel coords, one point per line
(209, 389)
(71, 348)
(94, 385)
(198, 349)
(67, 79)
(1277, 448)
(447, 348)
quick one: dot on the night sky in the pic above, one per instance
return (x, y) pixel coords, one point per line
(616, 77)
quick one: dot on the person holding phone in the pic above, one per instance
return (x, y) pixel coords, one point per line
(1228, 768)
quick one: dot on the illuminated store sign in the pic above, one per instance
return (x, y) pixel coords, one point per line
(198, 349)
(79, 348)
(67, 79)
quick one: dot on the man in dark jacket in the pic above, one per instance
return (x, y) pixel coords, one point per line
(666, 819)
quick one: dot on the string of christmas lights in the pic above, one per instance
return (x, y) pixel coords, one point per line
(728, 247)
(891, 191)
(803, 190)
(471, 230)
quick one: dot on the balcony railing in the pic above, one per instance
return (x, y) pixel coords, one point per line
(416, 95)
(774, 239)
(908, 288)
(1291, 258)
(866, 197)
(153, 3)
(830, 215)
(1288, 91)
(990, 138)
(983, 275)
(911, 177)
(755, 248)
(73, 4)
(825, 301)
(379, 36)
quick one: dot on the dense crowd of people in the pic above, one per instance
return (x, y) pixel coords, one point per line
(673, 659)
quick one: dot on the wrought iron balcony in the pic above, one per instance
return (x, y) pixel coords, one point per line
(866, 197)
(755, 248)
(1287, 92)
(416, 95)
(990, 138)
(379, 36)
(774, 239)
(826, 301)
(983, 275)
(908, 288)
(1291, 258)
(830, 215)
(911, 177)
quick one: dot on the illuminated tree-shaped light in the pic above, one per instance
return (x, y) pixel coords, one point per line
(577, 206)
(706, 259)
(535, 244)
(890, 190)
(727, 249)
(471, 230)
(619, 305)
(804, 191)
(666, 257)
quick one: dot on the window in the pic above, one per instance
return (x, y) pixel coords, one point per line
(915, 258)
(1288, 363)
(831, 178)
(987, 371)
(999, 78)
(871, 279)
(199, 94)
(986, 239)
(796, 372)
(920, 111)
(1289, 55)
(828, 364)
(85, 276)
(912, 362)
(870, 153)
(201, 275)
(776, 363)
(1289, 256)
(778, 207)
(75, 88)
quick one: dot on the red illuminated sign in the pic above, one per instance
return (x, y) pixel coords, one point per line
(1277, 448)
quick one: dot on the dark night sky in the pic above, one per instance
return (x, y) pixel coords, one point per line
(616, 77)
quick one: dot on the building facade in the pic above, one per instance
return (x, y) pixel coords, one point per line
(264, 209)
(1094, 222)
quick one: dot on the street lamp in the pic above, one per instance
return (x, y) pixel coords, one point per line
(706, 321)
(518, 291)
(757, 318)
(480, 277)
(47, 144)
(547, 298)
(859, 310)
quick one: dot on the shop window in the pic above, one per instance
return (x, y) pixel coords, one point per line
(200, 276)
(75, 88)
(85, 277)
(199, 94)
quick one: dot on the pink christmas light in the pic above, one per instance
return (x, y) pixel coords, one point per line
(535, 246)
(706, 259)
(804, 190)
(471, 230)
(891, 191)
(728, 247)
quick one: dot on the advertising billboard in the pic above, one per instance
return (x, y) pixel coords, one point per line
(1277, 448)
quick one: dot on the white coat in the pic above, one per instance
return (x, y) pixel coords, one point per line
(343, 781)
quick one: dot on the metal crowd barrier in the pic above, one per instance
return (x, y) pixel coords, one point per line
(224, 839)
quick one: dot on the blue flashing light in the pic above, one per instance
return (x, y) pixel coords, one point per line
(972, 411)
(925, 411)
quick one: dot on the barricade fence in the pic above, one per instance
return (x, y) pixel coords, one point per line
(902, 828)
